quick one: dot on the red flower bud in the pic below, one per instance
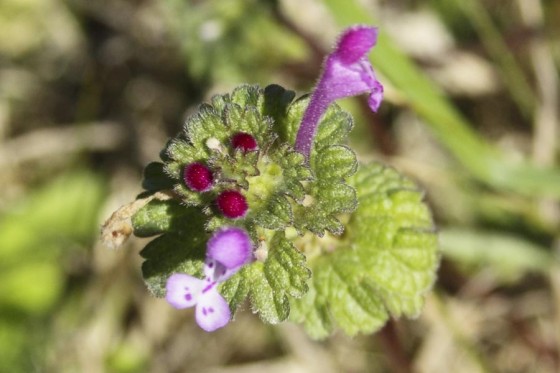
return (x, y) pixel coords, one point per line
(244, 141)
(232, 204)
(198, 177)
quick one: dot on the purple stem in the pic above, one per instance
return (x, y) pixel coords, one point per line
(318, 104)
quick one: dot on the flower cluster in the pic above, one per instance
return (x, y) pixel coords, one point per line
(198, 177)
(263, 181)
(247, 159)
(228, 250)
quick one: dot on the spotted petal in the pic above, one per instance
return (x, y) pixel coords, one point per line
(216, 271)
(212, 310)
(183, 291)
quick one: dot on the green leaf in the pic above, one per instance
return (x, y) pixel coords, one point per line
(205, 124)
(383, 264)
(327, 201)
(275, 105)
(336, 162)
(180, 249)
(285, 268)
(294, 172)
(313, 313)
(270, 284)
(334, 128)
(277, 214)
(289, 124)
(158, 217)
(339, 297)
(172, 253)
(249, 120)
(246, 95)
(155, 178)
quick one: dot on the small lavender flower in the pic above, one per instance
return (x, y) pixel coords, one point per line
(227, 251)
(347, 72)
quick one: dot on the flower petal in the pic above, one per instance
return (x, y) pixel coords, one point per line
(212, 311)
(376, 96)
(217, 272)
(347, 72)
(231, 247)
(354, 43)
(183, 291)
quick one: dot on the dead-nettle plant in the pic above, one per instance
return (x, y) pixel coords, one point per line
(259, 197)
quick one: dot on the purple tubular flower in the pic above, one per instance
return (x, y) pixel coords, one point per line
(230, 246)
(227, 251)
(347, 72)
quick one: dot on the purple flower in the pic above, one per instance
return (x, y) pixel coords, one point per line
(227, 251)
(347, 72)
(230, 247)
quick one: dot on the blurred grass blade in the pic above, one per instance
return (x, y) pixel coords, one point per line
(481, 159)
(510, 255)
(513, 76)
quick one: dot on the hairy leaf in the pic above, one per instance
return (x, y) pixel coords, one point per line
(181, 247)
(270, 284)
(381, 267)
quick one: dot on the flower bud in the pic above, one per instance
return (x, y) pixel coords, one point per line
(232, 204)
(198, 177)
(244, 141)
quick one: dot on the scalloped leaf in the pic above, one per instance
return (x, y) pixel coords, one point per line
(333, 129)
(155, 178)
(288, 124)
(329, 200)
(382, 266)
(270, 284)
(181, 248)
(172, 253)
(181, 153)
(339, 297)
(275, 103)
(329, 193)
(158, 217)
(276, 215)
(246, 95)
(294, 172)
(335, 162)
(249, 120)
(206, 123)
(336, 198)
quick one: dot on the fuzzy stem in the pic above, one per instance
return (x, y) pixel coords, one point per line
(318, 104)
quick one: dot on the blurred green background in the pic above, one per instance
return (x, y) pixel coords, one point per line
(91, 90)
